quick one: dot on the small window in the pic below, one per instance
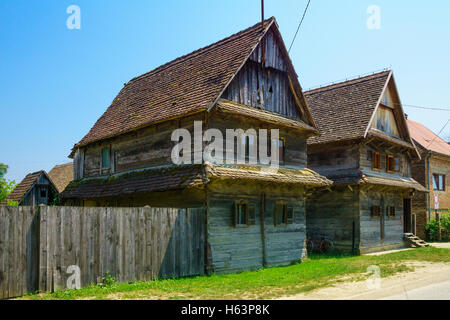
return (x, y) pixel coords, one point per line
(391, 211)
(375, 211)
(243, 215)
(106, 161)
(439, 182)
(397, 164)
(43, 192)
(383, 162)
(283, 214)
(281, 149)
(248, 144)
(393, 164)
(376, 161)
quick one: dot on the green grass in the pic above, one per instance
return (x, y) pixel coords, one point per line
(315, 272)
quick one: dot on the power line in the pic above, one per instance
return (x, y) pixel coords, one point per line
(300, 24)
(426, 108)
(438, 134)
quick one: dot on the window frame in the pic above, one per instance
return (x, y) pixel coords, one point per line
(376, 161)
(43, 189)
(102, 158)
(287, 214)
(437, 176)
(249, 214)
(391, 211)
(393, 159)
(375, 211)
(282, 152)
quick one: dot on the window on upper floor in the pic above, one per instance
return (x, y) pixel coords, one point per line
(393, 164)
(439, 182)
(106, 158)
(281, 149)
(43, 192)
(376, 161)
(383, 162)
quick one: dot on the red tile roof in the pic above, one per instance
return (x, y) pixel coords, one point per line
(189, 84)
(342, 111)
(427, 139)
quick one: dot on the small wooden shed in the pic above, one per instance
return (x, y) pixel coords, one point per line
(35, 189)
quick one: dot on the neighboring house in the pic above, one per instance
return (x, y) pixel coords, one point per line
(62, 175)
(433, 171)
(366, 150)
(255, 215)
(35, 189)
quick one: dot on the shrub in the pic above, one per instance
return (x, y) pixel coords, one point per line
(432, 229)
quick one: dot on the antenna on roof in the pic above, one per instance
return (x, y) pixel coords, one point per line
(263, 43)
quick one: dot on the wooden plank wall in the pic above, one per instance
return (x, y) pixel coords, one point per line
(37, 245)
(238, 249)
(19, 229)
(332, 214)
(371, 226)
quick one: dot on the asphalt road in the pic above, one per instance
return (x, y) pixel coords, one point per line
(437, 291)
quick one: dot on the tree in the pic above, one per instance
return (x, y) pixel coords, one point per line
(5, 186)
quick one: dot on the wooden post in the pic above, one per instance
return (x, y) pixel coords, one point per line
(414, 226)
(263, 227)
(438, 219)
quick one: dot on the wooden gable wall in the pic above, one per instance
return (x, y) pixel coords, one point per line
(390, 110)
(266, 87)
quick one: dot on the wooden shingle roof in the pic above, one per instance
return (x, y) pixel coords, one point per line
(61, 175)
(150, 180)
(343, 111)
(186, 85)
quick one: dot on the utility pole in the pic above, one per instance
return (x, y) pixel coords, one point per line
(263, 42)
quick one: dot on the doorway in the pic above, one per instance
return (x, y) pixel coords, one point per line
(407, 216)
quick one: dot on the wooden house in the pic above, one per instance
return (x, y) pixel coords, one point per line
(35, 189)
(255, 215)
(365, 148)
(432, 171)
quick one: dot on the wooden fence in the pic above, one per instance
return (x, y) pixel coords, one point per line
(38, 245)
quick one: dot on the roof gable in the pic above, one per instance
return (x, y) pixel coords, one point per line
(189, 84)
(272, 86)
(21, 190)
(344, 110)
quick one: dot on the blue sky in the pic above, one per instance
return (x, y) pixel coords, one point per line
(56, 82)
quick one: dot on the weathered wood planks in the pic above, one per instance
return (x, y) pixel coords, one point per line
(37, 245)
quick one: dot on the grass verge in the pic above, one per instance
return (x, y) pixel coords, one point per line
(315, 272)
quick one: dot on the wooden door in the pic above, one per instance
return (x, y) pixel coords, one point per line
(407, 215)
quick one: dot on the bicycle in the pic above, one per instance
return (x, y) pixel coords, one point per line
(319, 246)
